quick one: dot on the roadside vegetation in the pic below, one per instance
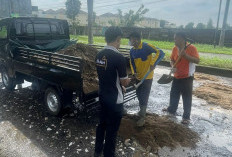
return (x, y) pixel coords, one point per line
(161, 44)
(214, 62)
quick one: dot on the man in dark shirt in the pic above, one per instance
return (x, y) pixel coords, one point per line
(112, 75)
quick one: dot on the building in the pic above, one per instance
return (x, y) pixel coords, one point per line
(82, 17)
(104, 20)
(10, 8)
(149, 23)
(169, 25)
(108, 19)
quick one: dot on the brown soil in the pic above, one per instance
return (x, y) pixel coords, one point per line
(157, 132)
(204, 77)
(88, 54)
(217, 94)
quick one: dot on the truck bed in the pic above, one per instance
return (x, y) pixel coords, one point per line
(59, 69)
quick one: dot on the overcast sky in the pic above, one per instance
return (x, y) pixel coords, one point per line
(179, 12)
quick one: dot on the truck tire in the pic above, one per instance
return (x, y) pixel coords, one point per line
(8, 82)
(53, 101)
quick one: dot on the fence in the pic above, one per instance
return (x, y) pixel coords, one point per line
(204, 36)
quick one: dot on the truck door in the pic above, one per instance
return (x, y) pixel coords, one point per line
(23, 33)
(5, 53)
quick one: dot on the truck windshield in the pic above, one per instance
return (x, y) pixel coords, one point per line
(39, 29)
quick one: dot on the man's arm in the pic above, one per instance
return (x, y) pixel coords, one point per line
(121, 68)
(132, 64)
(194, 59)
(158, 57)
(191, 58)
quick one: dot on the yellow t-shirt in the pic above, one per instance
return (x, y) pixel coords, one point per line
(143, 57)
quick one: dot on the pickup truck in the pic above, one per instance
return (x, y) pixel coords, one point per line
(28, 49)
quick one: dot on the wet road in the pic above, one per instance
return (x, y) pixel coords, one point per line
(211, 122)
(26, 126)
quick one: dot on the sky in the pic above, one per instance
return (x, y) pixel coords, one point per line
(179, 12)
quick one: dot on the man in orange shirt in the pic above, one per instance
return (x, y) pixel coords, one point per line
(183, 75)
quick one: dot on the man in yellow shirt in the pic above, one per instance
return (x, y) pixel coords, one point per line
(143, 57)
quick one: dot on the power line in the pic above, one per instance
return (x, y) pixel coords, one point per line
(115, 4)
(97, 9)
(126, 3)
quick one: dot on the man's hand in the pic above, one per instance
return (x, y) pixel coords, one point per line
(182, 53)
(134, 75)
(123, 89)
(125, 82)
(173, 70)
(172, 63)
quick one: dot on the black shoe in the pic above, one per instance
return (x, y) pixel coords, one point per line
(97, 154)
(124, 112)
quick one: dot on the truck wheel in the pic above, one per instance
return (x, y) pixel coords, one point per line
(7, 81)
(53, 101)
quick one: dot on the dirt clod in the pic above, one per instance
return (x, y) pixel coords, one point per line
(157, 132)
(88, 54)
(205, 77)
(217, 94)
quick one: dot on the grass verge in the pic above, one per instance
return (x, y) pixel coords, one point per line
(214, 62)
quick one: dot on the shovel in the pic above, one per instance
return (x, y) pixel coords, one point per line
(138, 84)
(165, 79)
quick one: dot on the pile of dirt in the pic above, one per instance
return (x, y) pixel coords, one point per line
(157, 132)
(217, 94)
(88, 54)
(204, 77)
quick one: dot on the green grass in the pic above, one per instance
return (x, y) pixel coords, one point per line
(161, 44)
(214, 62)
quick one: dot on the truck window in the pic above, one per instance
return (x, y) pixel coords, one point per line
(57, 28)
(41, 29)
(29, 30)
(3, 32)
(18, 28)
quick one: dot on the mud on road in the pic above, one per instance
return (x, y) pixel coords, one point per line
(24, 120)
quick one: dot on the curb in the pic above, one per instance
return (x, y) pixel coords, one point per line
(207, 70)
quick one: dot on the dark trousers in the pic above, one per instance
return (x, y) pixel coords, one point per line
(110, 119)
(182, 87)
(143, 92)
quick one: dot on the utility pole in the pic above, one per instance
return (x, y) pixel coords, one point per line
(90, 21)
(10, 7)
(215, 33)
(222, 36)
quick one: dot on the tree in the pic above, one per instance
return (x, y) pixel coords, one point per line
(112, 22)
(200, 26)
(129, 19)
(189, 25)
(72, 9)
(181, 27)
(210, 24)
